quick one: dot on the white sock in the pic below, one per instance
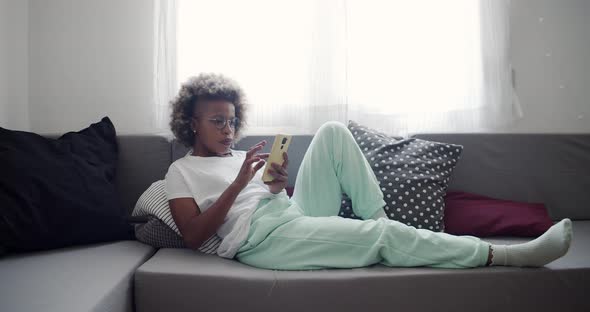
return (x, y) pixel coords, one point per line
(379, 214)
(553, 244)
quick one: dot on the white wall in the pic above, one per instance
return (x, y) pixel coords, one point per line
(87, 59)
(90, 59)
(14, 109)
(551, 55)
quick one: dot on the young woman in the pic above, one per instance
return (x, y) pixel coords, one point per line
(216, 189)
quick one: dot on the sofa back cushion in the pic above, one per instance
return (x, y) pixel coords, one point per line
(543, 168)
(553, 169)
(537, 168)
(143, 159)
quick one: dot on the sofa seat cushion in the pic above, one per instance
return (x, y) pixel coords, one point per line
(185, 280)
(97, 277)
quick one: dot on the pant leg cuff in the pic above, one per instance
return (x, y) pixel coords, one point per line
(374, 206)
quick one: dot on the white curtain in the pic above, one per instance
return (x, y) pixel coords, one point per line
(165, 84)
(430, 66)
(397, 66)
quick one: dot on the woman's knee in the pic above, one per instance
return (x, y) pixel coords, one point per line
(331, 128)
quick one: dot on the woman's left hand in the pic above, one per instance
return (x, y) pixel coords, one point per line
(280, 174)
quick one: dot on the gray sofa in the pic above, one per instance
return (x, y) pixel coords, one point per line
(131, 276)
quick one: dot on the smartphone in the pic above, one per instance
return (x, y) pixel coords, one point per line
(280, 145)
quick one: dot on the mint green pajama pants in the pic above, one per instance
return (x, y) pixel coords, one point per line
(305, 232)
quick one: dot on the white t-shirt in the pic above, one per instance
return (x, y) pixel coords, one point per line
(205, 179)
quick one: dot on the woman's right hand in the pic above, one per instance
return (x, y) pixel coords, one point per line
(247, 171)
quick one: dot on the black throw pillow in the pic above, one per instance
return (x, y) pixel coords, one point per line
(413, 175)
(60, 192)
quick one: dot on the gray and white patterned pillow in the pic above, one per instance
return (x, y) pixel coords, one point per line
(413, 174)
(157, 234)
(160, 230)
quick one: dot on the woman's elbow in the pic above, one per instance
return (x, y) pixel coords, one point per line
(194, 243)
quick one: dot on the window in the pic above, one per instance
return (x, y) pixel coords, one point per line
(400, 66)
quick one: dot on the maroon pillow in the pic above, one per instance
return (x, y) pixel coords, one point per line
(290, 190)
(481, 216)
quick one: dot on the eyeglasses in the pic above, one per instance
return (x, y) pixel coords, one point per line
(220, 122)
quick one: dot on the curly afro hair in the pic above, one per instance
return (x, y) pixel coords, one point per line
(193, 92)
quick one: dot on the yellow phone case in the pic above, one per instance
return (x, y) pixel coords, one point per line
(280, 145)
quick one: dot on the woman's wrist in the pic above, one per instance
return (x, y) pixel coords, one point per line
(237, 185)
(275, 189)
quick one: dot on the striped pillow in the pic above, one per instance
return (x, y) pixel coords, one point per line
(160, 231)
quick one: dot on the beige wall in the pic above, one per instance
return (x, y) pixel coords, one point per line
(550, 49)
(89, 59)
(84, 59)
(14, 107)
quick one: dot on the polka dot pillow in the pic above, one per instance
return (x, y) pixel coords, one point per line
(413, 174)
